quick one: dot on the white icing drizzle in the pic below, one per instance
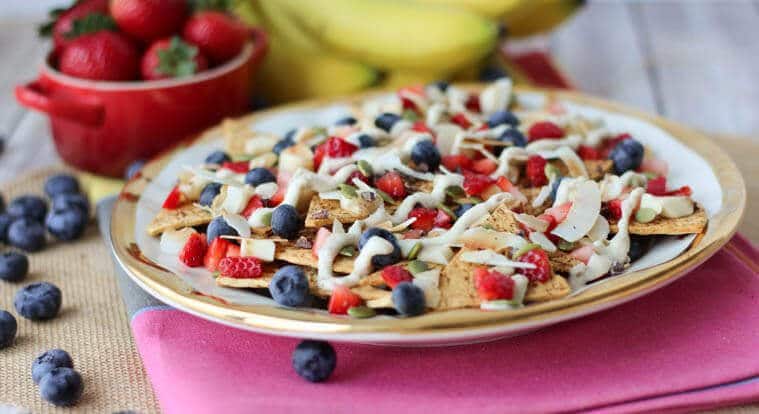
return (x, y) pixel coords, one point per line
(432, 199)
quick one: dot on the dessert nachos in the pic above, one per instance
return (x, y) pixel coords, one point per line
(437, 199)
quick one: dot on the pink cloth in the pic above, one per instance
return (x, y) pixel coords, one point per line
(691, 345)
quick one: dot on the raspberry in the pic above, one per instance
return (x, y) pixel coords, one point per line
(194, 250)
(425, 218)
(173, 200)
(613, 209)
(535, 170)
(484, 166)
(334, 147)
(492, 285)
(458, 161)
(392, 275)
(544, 130)
(475, 184)
(539, 258)
(343, 299)
(392, 184)
(657, 186)
(461, 120)
(587, 152)
(473, 103)
(240, 267)
(443, 220)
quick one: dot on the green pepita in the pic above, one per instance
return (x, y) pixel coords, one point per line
(447, 210)
(410, 115)
(414, 252)
(348, 190)
(551, 171)
(455, 191)
(524, 249)
(386, 197)
(361, 312)
(349, 251)
(417, 266)
(365, 168)
(566, 246)
(266, 218)
(645, 215)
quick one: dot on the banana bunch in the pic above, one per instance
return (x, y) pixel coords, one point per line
(333, 47)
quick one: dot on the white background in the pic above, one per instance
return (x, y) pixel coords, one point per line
(29, 9)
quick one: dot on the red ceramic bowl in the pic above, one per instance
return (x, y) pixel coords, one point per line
(101, 127)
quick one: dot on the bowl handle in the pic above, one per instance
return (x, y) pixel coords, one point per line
(34, 95)
(260, 44)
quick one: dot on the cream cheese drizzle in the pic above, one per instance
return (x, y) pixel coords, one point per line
(431, 199)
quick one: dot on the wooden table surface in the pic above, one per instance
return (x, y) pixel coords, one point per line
(692, 61)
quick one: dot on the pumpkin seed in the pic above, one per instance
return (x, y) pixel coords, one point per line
(414, 251)
(361, 312)
(385, 196)
(365, 168)
(447, 211)
(455, 191)
(524, 249)
(566, 246)
(266, 218)
(349, 251)
(348, 190)
(645, 215)
(551, 171)
(410, 115)
(417, 266)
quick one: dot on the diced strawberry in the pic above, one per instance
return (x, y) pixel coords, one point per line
(173, 200)
(461, 120)
(560, 212)
(240, 167)
(654, 165)
(392, 184)
(682, 191)
(321, 238)
(657, 186)
(454, 162)
(551, 220)
(240, 267)
(233, 250)
(443, 220)
(556, 108)
(405, 94)
(421, 126)
(359, 175)
(283, 179)
(341, 300)
(583, 253)
(539, 258)
(473, 103)
(492, 285)
(484, 166)
(216, 251)
(503, 183)
(613, 209)
(319, 153)
(586, 152)
(392, 275)
(412, 234)
(254, 204)
(194, 250)
(544, 130)
(476, 184)
(425, 218)
(334, 147)
(535, 170)
(489, 191)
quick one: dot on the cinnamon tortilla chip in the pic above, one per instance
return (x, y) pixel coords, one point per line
(304, 257)
(457, 285)
(596, 168)
(693, 224)
(188, 215)
(324, 212)
(554, 288)
(502, 219)
(562, 262)
(236, 134)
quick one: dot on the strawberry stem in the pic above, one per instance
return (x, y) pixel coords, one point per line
(178, 59)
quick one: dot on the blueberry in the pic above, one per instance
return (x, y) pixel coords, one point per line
(8, 329)
(217, 157)
(219, 227)
(5, 222)
(639, 246)
(492, 74)
(627, 155)
(425, 153)
(2, 204)
(314, 360)
(365, 141)
(258, 176)
(442, 85)
(282, 145)
(463, 208)
(67, 224)
(38, 301)
(27, 234)
(555, 187)
(28, 206)
(514, 136)
(290, 135)
(382, 260)
(502, 117)
(61, 184)
(348, 120)
(285, 221)
(61, 386)
(289, 287)
(48, 361)
(386, 121)
(209, 192)
(13, 266)
(133, 169)
(69, 201)
(408, 299)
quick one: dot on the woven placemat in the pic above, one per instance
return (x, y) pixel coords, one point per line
(92, 326)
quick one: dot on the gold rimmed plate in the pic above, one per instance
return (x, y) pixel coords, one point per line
(694, 160)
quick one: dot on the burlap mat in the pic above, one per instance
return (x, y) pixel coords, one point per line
(92, 326)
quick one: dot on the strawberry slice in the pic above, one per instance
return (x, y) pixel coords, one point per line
(535, 170)
(421, 126)
(425, 218)
(583, 253)
(560, 212)
(586, 152)
(239, 167)
(216, 251)
(454, 162)
(392, 275)
(173, 200)
(404, 95)
(682, 191)
(657, 186)
(359, 175)
(343, 299)
(461, 120)
(476, 184)
(334, 147)
(321, 238)
(544, 130)
(493, 285)
(254, 204)
(240, 267)
(233, 250)
(443, 220)
(392, 184)
(484, 166)
(504, 184)
(539, 258)
(473, 103)
(194, 250)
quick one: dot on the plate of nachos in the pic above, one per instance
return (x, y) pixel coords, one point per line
(437, 214)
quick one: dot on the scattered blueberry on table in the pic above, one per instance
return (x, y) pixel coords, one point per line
(48, 361)
(314, 360)
(27, 234)
(8, 329)
(38, 301)
(289, 287)
(408, 299)
(5, 223)
(69, 201)
(61, 184)
(30, 206)
(61, 386)
(67, 224)
(14, 266)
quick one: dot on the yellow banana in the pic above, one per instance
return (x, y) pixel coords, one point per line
(493, 9)
(395, 79)
(539, 16)
(395, 34)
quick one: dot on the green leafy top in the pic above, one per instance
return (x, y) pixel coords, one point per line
(222, 5)
(46, 28)
(178, 59)
(91, 23)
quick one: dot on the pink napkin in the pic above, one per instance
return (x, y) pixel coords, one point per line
(691, 345)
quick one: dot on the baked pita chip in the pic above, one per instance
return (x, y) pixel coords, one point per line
(236, 135)
(457, 285)
(502, 219)
(304, 257)
(324, 212)
(188, 215)
(562, 262)
(555, 288)
(692, 224)
(596, 168)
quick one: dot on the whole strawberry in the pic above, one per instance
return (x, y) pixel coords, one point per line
(172, 58)
(149, 20)
(62, 23)
(104, 55)
(219, 36)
